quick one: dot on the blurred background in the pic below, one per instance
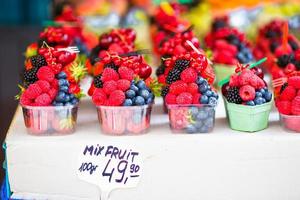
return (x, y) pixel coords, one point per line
(22, 21)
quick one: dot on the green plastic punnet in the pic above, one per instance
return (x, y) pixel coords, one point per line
(248, 118)
(223, 71)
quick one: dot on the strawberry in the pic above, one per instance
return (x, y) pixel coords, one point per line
(123, 84)
(284, 107)
(126, 73)
(43, 100)
(288, 94)
(178, 87)
(170, 98)
(45, 73)
(192, 88)
(33, 91)
(44, 85)
(109, 75)
(116, 98)
(247, 93)
(189, 75)
(184, 98)
(109, 86)
(295, 109)
(99, 97)
(294, 81)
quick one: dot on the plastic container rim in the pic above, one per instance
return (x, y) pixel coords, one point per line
(125, 107)
(49, 107)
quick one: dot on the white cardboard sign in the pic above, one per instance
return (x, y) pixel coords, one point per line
(109, 167)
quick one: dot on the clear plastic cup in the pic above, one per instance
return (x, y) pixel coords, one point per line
(191, 118)
(290, 122)
(50, 120)
(124, 120)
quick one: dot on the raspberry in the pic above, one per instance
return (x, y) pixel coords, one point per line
(189, 75)
(44, 85)
(184, 98)
(257, 82)
(33, 91)
(234, 81)
(45, 73)
(295, 109)
(43, 100)
(294, 81)
(99, 97)
(196, 98)
(109, 86)
(126, 73)
(123, 84)
(116, 98)
(178, 87)
(247, 93)
(109, 75)
(245, 77)
(192, 88)
(24, 100)
(52, 93)
(288, 94)
(54, 84)
(284, 107)
(170, 98)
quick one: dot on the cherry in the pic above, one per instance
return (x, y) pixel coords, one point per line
(258, 71)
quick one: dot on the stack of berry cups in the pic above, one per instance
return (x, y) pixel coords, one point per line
(123, 100)
(50, 92)
(190, 99)
(247, 99)
(288, 104)
(229, 46)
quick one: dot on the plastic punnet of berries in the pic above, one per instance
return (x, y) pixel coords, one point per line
(50, 91)
(189, 95)
(247, 99)
(123, 99)
(287, 102)
(229, 46)
(119, 41)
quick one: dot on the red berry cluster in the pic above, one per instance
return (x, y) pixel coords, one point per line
(288, 101)
(228, 44)
(56, 36)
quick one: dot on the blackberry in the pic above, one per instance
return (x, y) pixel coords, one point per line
(38, 61)
(174, 74)
(98, 82)
(283, 87)
(112, 66)
(164, 91)
(273, 46)
(160, 70)
(29, 76)
(233, 95)
(283, 60)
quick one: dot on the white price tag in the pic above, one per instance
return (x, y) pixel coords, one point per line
(109, 167)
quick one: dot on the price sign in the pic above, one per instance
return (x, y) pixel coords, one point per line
(109, 167)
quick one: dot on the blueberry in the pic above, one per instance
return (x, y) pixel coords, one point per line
(268, 96)
(198, 124)
(62, 82)
(144, 93)
(74, 101)
(62, 75)
(203, 129)
(151, 96)
(201, 115)
(211, 112)
(240, 56)
(200, 80)
(194, 111)
(203, 88)
(191, 128)
(209, 122)
(134, 88)
(264, 100)
(60, 97)
(149, 101)
(250, 103)
(139, 101)
(258, 94)
(215, 95)
(64, 88)
(212, 101)
(72, 96)
(204, 99)
(127, 102)
(59, 104)
(141, 84)
(67, 98)
(209, 93)
(130, 94)
(258, 100)
(262, 91)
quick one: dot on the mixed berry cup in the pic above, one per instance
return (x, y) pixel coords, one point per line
(124, 120)
(192, 118)
(50, 120)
